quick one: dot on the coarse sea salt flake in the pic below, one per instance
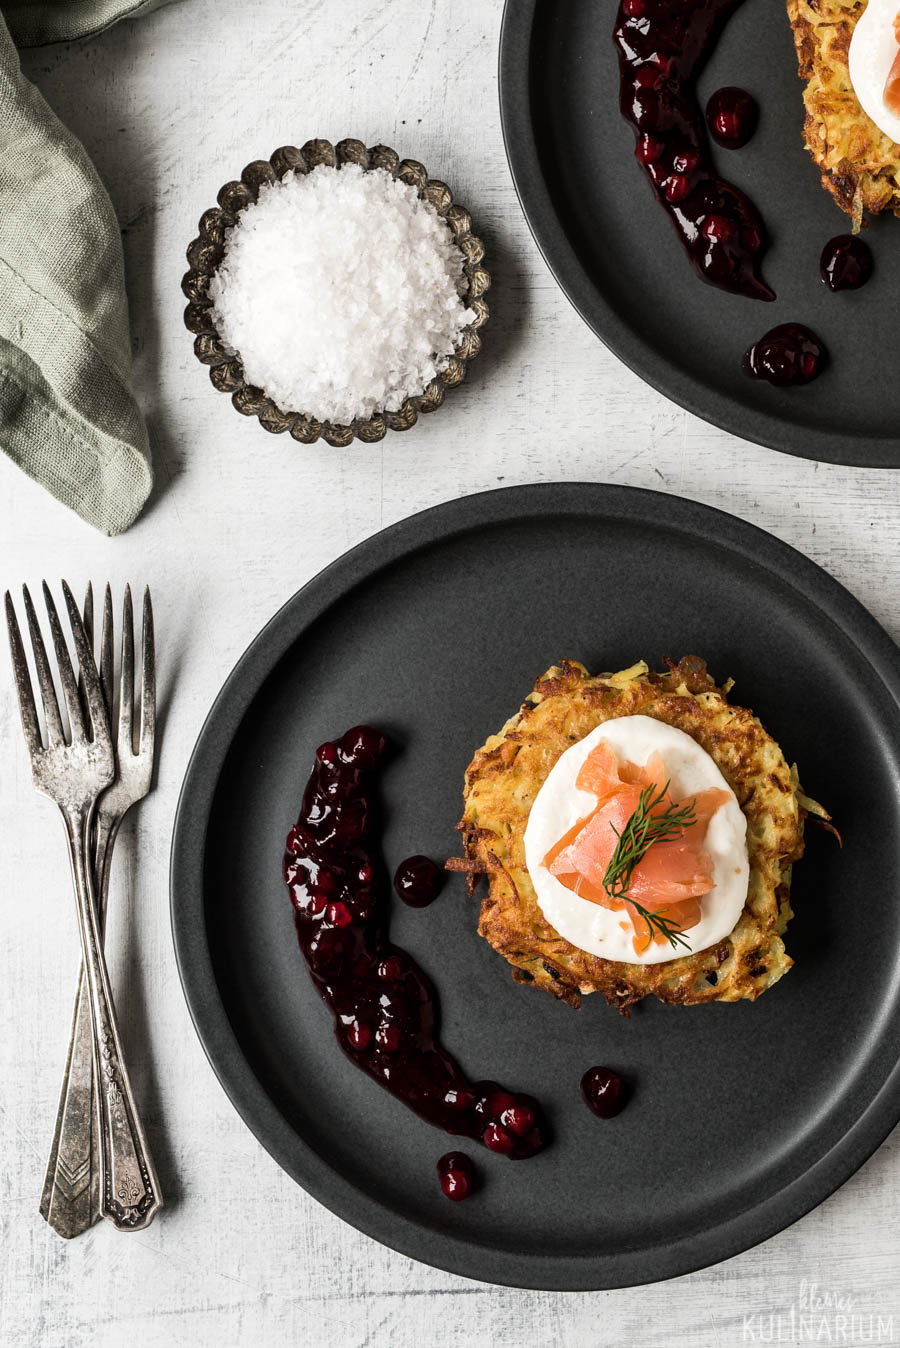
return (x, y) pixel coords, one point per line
(340, 291)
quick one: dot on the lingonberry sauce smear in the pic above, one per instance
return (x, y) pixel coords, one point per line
(418, 881)
(384, 1007)
(456, 1175)
(662, 45)
(603, 1092)
(785, 356)
(846, 263)
(732, 116)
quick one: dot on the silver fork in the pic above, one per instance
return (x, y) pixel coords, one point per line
(70, 1201)
(73, 773)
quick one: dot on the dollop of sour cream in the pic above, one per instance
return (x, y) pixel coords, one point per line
(560, 804)
(873, 48)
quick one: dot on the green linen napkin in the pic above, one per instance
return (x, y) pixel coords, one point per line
(68, 415)
(35, 22)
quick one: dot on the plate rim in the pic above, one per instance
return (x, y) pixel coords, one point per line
(442, 1249)
(679, 386)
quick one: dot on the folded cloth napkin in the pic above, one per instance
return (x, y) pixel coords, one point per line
(34, 22)
(68, 415)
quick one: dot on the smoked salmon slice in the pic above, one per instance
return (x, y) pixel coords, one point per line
(673, 874)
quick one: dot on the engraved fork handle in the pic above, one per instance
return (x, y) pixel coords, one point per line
(129, 1190)
(70, 1201)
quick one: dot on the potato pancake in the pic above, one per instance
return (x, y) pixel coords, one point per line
(503, 780)
(860, 165)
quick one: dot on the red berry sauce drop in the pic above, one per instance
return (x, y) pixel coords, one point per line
(418, 881)
(456, 1174)
(603, 1091)
(662, 46)
(732, 116)
(384, 1007)
(785, 356)
(846, 263)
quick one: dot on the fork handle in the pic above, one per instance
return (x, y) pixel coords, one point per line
(70, 1201)
(129, 1190)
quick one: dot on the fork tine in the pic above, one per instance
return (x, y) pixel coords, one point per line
(27, 708)
(87, 610)
(148, 678)
(126, 679)
(106, 653)
(99, 718)
(64, 667)
(45, 678)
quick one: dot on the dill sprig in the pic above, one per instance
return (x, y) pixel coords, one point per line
(643, 829)
(667, 926)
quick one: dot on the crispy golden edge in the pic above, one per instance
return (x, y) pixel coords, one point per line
(507, 772)
(860, 165)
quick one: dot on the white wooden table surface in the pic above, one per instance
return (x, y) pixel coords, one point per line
(169, 106)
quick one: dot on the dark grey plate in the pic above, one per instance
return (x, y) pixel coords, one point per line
(744, 1116)
(615, 254)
